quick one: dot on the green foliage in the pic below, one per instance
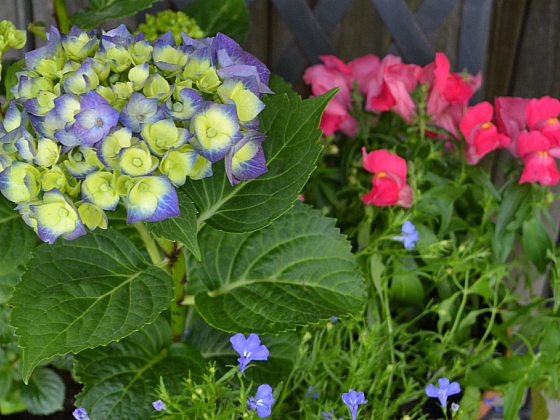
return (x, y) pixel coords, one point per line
(85, 293)
(101, 10)
(230, 17)
(120, 379)
(299, 261)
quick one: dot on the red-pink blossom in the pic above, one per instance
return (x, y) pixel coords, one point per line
(389, 180)
(387, 85)
(324, 77)
(542, 115)
(540, 165)
(480, 133)
(448, 93)
(510, 118)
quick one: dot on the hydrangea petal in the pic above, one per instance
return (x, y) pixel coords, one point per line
(151, 199)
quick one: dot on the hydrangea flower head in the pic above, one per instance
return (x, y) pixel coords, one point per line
(249, 349)
(353, 399)
(262, 401)
(117, 120)
(444, 390)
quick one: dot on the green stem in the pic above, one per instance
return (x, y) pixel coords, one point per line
(461, 307)
(61, 16)
(150, 243)
(178, 311)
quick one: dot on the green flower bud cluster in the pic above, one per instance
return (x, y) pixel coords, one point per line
(10, 37)
(168, 20)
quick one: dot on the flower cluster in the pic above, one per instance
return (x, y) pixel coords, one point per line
(97, 121)
(168, 20)
(528, 128)
(10, 37)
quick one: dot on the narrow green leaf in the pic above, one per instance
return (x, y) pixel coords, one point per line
(180, 229)
(121, 378)
(470, 403)
(103, 10)
(291, 149)
(85, 293)
(297, 270)
(231, 17)
(536, 243)
(539, 410)
(45, 392)
(513, 399)
(17, 240)
(513, 195)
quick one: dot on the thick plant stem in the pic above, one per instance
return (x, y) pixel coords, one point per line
(178, 311)
(61, 16)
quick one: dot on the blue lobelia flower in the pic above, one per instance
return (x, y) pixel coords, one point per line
(262, 402)
(329, 415)
(151, 199)
(80, 413)
(445, 389)
(409, 235)
(216, 129)
(248, 349)
(353, 399)
(95, 119)
(159, 405)
(246, 159)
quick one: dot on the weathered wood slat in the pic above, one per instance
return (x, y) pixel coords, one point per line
(307, 32)
(292, 63)
(409, 38)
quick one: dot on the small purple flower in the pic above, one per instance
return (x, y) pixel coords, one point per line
(454, 407)
(353, 399)
(159, 405)
(262, 402)
(409, 236)
(80, 413)
(95, 119)
(249, 349)
(334, 319)
(329, 415)
(311, 393)
(445, 389)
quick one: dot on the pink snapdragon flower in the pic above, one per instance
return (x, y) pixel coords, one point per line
(389, 186)
(538, 155)
(324, 77)
(542, 115)
(386, 84)
(448, 93)
(481, 134)
(510, 118)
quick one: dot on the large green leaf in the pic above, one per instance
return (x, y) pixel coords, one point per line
(16, 238)
(103, 10)
(230, 17)
(121, 379)
(45, 392)
(182, 228)
(297, 270)
(291, 150)
(85, 293)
